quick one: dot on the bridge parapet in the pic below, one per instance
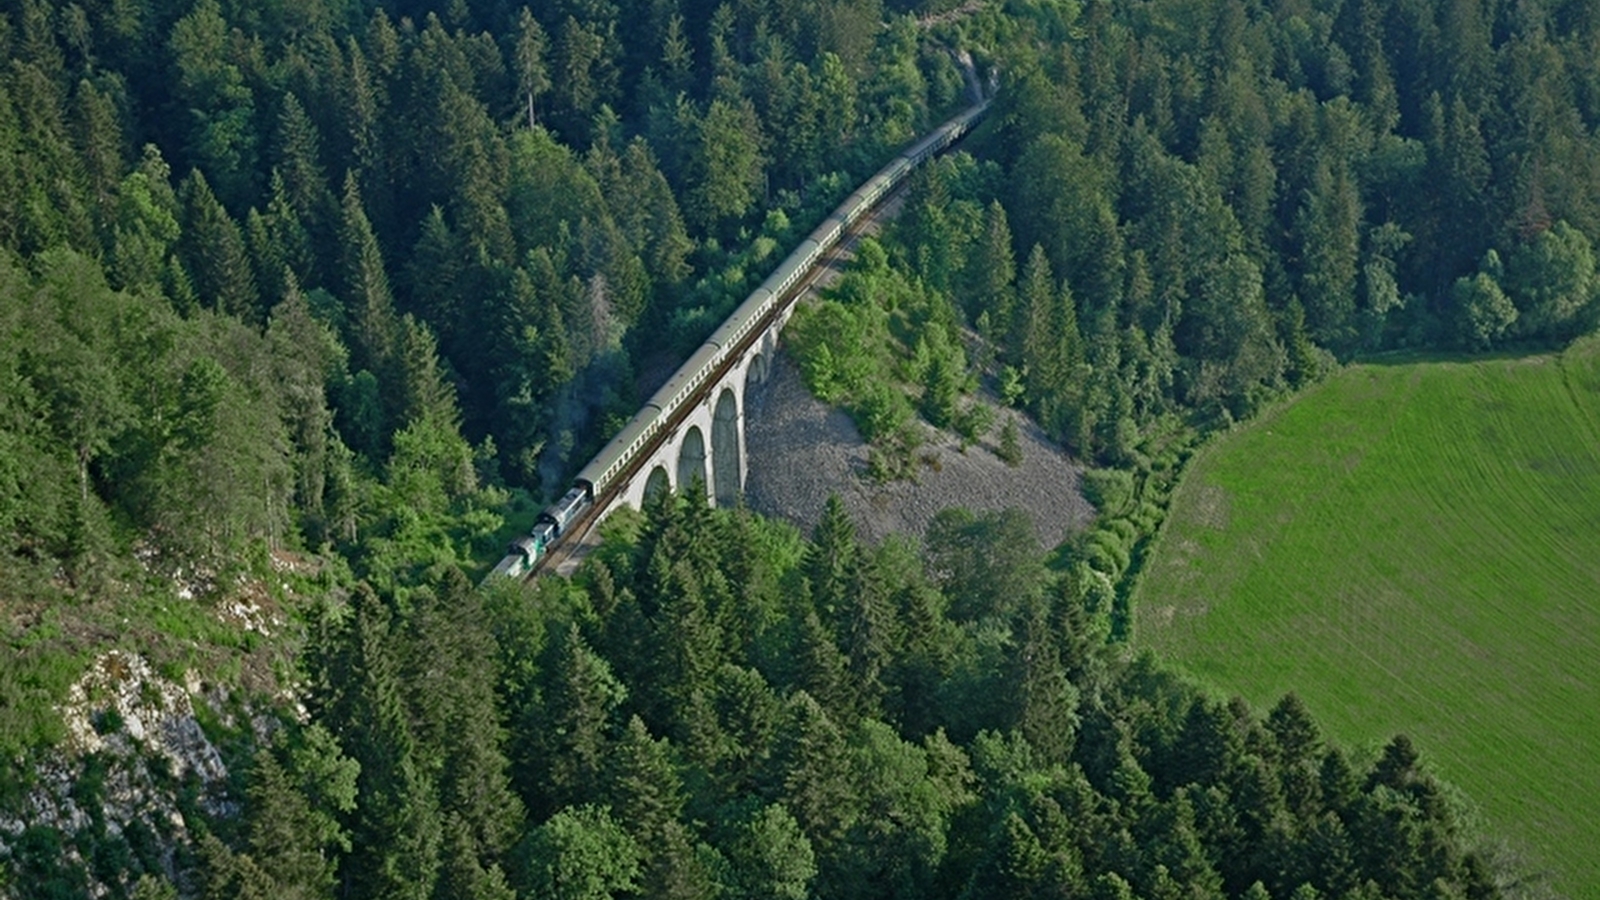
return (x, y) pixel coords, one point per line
(693, 427)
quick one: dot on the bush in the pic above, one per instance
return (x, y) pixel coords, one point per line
(1110, 490)
(1148, 516)
(975, 422)
(1010, 443)
(1123, 529)
(1107, 553)
(881, 411)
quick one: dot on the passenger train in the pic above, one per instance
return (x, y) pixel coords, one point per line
(612, 461)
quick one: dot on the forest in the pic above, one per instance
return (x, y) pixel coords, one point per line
(353, 284)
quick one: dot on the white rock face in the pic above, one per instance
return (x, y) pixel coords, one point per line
(141, 729)
(154, 712)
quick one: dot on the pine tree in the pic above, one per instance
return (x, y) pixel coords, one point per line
(686, 638)
(427, 395)
(1015, 865)
(871, 639)
(452, 674)
(641, 785)
(749, 713)
(1010, 451)
(584, 76)
(463, 874)
(810, 771)
(298, 161)
(99, 139)
(434, 272)
(1329, 238)
(1206, 749)
(677, 56)
(1043, 702)
(233, 876)
(990, 272)
(1036, 340)
(293, 833)
(648, 214)
(646, 793)
(1294, 731)
(831, 558)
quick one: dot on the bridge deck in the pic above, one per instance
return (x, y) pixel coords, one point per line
(583, 534)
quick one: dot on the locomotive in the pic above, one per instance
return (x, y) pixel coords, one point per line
(613, 460)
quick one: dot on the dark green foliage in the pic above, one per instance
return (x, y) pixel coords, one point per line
(567, 737)
(580, 854)
(768, 855)
(398, 228)
(326, 142)
(213, 251)
(397, 832)
(1010, 442)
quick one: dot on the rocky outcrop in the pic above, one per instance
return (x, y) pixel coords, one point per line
(111, 801)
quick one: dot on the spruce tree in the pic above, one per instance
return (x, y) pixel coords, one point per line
(991, 269)
(533, 77)
(298, 161)
(451, 668)
(397, 833)
(568, 734)
(1010, 451)
(831, 558)
(374, 331)
(213, 251)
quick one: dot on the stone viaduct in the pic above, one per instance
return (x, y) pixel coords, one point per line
(705, 438)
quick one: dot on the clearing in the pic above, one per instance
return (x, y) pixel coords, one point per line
(1413, 546)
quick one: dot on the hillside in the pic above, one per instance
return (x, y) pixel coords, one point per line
(1411, 546)
(801, 451)
(307, 306)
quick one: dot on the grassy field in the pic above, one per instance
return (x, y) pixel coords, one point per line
(1414, 546)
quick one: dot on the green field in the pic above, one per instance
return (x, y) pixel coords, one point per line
(1413, 546)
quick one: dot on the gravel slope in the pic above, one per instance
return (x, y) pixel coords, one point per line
(802, 450)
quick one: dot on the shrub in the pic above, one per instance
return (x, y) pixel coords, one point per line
(1123, 529)
(1107, 553)
(974, 422)
(881, 411)
(1110, 490)
(1010, 443)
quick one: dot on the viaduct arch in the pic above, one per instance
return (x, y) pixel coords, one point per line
(708, 441)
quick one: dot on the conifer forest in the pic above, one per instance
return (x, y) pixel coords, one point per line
(308, 306)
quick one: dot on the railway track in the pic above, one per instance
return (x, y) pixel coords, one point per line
(583, 535)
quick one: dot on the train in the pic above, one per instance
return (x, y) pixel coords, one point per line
(613, 460)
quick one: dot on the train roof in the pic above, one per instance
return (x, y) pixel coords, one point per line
(738, 322)
(608, 462)
(793, 265)
(686, 379)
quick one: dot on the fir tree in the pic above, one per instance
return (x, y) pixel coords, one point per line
(213, 251)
